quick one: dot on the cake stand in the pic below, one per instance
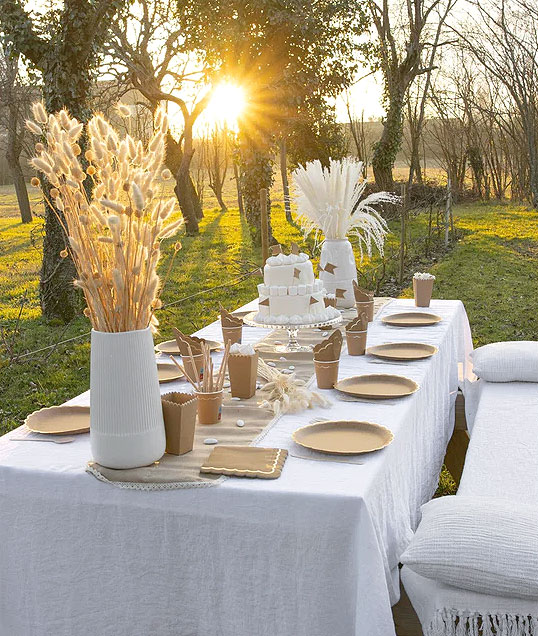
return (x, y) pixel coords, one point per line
(293, 330)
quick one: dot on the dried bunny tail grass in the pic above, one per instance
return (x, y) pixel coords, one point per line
(123, 109)
(39, 112)
(115, 251)
(33, 127)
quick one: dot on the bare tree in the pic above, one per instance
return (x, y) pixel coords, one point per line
(409, 35)
(502, 35)
(216, 161)
(359, 135)
(148, 44)
(15, 98)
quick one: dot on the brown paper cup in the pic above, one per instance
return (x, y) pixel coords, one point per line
(232, 334)
(356, 342)
(196, 372)
(179, 413)
(326, 373)
(243, 371)
(422, 290)
(367, 307)
(209, 407)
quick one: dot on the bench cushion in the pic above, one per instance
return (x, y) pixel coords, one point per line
(481, 544)
(515, 361)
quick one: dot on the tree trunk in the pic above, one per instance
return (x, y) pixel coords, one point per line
(237, 178)
(67, 84)
(415, 170)
(387, 147)
(285, 183)
(20, 187)
(256, 173)
(13, 153)
(184, 189)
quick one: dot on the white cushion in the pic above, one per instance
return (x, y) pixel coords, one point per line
(480, 544)
(515, 361)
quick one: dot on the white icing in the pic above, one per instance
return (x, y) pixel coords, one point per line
(282, 291)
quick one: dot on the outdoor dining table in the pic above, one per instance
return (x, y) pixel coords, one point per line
(313, 553)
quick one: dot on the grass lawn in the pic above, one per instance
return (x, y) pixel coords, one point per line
(493, 269)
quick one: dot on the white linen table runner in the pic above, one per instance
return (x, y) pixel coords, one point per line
(313, 553)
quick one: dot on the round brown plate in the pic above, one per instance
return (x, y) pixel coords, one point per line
(168, 372)
(170, 347)
(343, 437)
(377, 386)
(411, 319)
(403, 351)
(59, 420)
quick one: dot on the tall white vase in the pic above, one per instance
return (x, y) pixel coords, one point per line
(126, 419)
(337, 270)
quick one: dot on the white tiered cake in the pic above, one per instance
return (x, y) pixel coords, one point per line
(289, 293)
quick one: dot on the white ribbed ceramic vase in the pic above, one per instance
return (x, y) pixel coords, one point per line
(338, 270)
(126, 418)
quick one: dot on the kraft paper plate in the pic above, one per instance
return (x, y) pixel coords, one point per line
(343, 437)
(377, 386)
(59, 420)
(168, 372)
(411, 319)
(170, 347)
(403, 351)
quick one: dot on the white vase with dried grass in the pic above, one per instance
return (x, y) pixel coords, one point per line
(329, 203)
(113, 236)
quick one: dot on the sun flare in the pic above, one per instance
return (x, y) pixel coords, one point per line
(225, 107)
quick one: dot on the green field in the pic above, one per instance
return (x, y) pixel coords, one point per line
(492, 268)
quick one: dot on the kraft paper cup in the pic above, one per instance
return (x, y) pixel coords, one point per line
(422, 290)
(326, 373)
(366, 306)
(209, 407)
(179, 414)
(243, 372)
(356, 342)
(196, 372)
(232, 334)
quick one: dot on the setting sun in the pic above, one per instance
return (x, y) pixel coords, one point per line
(226, 105)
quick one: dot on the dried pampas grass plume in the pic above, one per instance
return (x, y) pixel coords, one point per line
(114, 235)
(329, 201)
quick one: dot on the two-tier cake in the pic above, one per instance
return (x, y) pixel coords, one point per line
(289, 293)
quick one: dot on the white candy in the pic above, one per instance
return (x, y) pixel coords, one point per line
(291, 367)
(271, 364)
(283, 358)
(242, 349)
(240, 423)
(236, 399)
(210, 440)
(325, 333)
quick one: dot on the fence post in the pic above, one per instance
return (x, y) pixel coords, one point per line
(264, 225)
(448, 209)
(403, 232)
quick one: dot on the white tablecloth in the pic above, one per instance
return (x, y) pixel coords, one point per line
(314, 553)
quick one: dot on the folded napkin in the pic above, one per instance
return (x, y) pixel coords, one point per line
(229, 320)
(358, 324)
(184, 341)
(245, 461)
(362, 295)
(329, 350)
